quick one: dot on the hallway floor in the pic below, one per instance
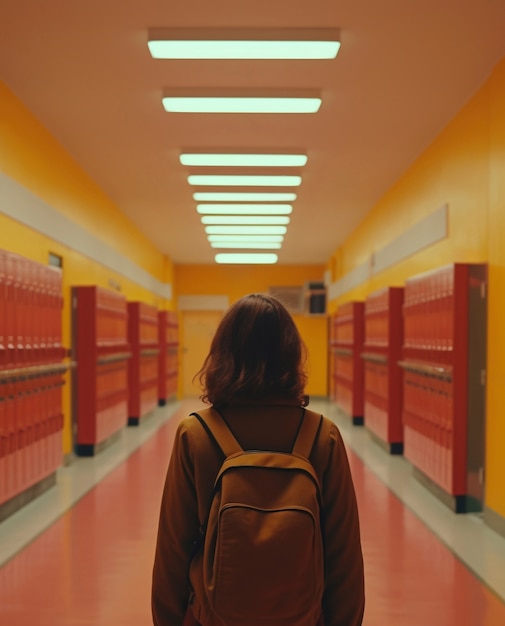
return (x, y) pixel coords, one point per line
(81, 554)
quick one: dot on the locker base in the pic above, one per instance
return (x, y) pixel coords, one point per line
(22, 499)
(389, 446)
(396, 447)
(135, 421)
(457, 504)
(90, 449)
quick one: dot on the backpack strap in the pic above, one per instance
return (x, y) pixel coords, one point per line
(214, 424)
(309, 429)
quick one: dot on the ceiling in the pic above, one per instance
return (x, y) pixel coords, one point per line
(404, 69)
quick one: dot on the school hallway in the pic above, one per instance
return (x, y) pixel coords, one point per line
(82, 552)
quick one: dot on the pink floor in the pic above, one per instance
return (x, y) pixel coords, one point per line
(93, 565)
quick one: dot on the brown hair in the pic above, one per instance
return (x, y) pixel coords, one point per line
(256, 353)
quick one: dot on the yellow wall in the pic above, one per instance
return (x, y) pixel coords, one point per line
(464, 167)
(235, 282)
(31, 156)
(495, 441)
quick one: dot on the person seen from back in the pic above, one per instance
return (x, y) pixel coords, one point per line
(254, 379)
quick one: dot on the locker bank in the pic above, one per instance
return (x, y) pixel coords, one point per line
(389, 252)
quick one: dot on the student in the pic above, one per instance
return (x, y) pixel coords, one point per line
(254, 378)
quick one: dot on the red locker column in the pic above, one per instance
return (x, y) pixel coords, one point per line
(174, 353)
(101, 351)
(25, 376)
(3, 365)
(43, 314)
(168, 356)
(10, 310)
(143, 366)
(381, 353)
(348, 362)
(3, 447)
(10, 458)
(3, 311)
(163, 358)
(113, 352)
(436, 378)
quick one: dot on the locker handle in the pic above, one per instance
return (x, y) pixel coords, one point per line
(435, 371)
(372, 356)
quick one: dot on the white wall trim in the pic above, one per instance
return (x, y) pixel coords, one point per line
(22, 205)
(425, 233)
(354, 278)
(428, 231)
(202, 303)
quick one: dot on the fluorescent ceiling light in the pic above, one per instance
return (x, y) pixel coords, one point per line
(244, 209)
(232, 196)
(246, 238)
(213, 180)
(245, 245)
(238, 258)
(245, 101)
(245, 219)
(243, 160)
(185, 43)
(181, 104)
(246, 230)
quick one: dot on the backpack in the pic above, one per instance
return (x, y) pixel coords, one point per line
(261, 548)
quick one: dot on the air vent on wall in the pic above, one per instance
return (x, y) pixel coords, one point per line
(292, 298)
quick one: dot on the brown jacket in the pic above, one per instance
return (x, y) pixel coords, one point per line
(186, 499)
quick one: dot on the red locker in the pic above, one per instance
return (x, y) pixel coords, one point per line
(437, 366)
(26, 376)
(348, 372)
(101, 351)
(4, 438)
(383, 322)
(143, 369)
(168, 337)
(10, 310)
(3, 311)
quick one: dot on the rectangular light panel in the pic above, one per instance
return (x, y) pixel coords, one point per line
(244, 209)
(245, 245)
(185, 43)
(246, 238)
(246, 219)
(246, 230)
(239, 258)
(309, 50)
(243, 160)
(233, 196)
(244, 181)
(262, 104)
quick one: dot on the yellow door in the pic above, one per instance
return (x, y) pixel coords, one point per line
(198, 329)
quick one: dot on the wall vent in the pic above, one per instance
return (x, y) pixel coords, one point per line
(293, 298)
